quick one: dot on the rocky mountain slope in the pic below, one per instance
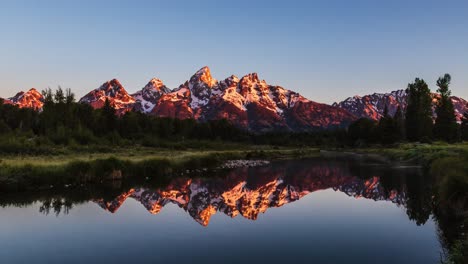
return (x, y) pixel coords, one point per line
(147, 97)
(114, 92)
(372, 105)
(30, 99)
(249, 103)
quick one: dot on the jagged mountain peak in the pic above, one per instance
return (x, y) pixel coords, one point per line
(147, 97)
(251, 77)
(113, 91)
(230, 81)
(233, 78)
(200, 87)
(252, 80)
(113, 85)
(33, 90)
(31, 99)
(155, 83)
(204, 75)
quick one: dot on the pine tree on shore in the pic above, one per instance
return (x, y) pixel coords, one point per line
(445, 127)
(387, 129)
(418, 117)
(400, 123)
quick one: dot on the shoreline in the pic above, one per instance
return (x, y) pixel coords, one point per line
(34, 173)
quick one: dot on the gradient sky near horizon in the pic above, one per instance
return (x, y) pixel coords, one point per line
(326, 50)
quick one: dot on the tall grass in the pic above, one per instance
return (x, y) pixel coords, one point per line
(20, 175)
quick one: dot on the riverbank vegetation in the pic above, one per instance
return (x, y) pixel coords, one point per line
(36, 172)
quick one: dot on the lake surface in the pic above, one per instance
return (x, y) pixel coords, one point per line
(320, 210)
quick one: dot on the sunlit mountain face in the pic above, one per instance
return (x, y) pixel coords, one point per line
(29, 99)
(249, 103)
(250, 192)
(112, 91)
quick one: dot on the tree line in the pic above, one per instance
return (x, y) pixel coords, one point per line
(63, 121)
(415, 123)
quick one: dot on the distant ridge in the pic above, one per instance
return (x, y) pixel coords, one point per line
(372, 106)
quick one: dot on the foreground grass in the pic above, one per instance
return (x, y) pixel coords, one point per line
(423, 154)
(59, 155)
(26, 172)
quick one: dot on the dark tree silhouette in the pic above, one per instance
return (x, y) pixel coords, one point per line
(387, 129)
(400, 123)
(445, 127)
(418, 119)
(362, 132)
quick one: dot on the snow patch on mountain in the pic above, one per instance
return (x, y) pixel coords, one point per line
(30, 99)
(147, 97)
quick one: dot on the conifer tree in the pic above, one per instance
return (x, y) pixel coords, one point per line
(418, 117)
(59, 96)
(48, 96)
(445, 127)
(387, 128)
(109, 117)
(400, 123)
(69, 96)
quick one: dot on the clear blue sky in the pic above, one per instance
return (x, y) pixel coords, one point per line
(326, 50)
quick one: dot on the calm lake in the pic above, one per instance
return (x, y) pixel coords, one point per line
(319, 210)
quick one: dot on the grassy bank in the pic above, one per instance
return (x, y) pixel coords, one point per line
(26, 172)
(423, 154)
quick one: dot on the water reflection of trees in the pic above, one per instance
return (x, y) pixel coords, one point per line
(412, 182)
(58, 205)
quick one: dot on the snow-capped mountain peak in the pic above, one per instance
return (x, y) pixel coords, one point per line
(201, 85)
(30, 99)
(204, 76)
(114, 92)
(156, 84)
(147, 97)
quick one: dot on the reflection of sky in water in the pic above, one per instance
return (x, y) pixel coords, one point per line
(322, 227)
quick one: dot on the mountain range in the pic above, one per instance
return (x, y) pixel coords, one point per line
(248, 102)
(372, 106)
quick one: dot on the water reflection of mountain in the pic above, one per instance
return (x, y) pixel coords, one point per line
(251, 191)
